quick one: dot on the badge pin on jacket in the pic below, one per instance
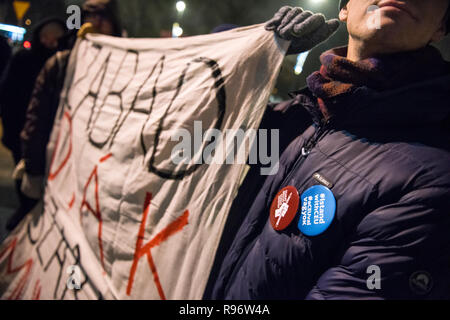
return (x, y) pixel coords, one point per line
(317, 211)
(284, 208)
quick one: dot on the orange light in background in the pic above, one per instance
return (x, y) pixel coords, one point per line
(28, 22)
(27, 44)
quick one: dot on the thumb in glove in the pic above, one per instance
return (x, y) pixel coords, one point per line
(304, 29)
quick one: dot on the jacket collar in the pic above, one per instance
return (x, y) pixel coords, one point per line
(418, 113)
(424, 103)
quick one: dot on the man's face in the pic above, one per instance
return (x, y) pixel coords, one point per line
(396, 25)
(50, 34)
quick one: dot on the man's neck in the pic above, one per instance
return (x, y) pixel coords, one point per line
(358, 50)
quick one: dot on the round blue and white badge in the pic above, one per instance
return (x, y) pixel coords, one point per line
(318, 210)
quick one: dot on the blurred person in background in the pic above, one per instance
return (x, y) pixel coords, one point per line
(5, 55)
(18, 84)
(40, 116)
(371, 166)
(19, 80)
(104, 16)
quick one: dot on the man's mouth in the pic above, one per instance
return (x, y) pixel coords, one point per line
(401, 6)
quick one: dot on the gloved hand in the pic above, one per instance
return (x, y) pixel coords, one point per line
(304, 29)
(32, 186)
(86, 28)
(19, 170)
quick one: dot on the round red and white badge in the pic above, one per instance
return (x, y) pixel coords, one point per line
(284, 208)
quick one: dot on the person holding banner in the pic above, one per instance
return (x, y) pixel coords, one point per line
(16, 91)
(103, 15)
(363, 192)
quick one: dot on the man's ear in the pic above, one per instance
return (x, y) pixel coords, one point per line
(343, 14)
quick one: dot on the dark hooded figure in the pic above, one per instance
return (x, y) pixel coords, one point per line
(360, 205)
(103, 14)
(20, 77)
(17, 87)
(5, 55)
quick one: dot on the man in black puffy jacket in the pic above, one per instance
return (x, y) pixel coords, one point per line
(360, 206)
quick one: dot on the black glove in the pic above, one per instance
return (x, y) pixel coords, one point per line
(304, 29)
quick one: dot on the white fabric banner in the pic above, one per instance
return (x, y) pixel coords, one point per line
(121, 219)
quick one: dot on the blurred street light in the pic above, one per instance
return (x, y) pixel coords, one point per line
(15, 33)
(181, 6)
(177, 31)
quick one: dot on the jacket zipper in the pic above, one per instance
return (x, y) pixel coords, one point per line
(307, 148)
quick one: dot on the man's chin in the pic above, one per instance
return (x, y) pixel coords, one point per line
(388, 30)
(395, 24)
(385, 41)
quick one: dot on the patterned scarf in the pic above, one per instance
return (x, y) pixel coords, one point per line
(339, 77)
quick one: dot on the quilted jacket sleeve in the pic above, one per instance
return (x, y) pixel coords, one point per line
(404, 246)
